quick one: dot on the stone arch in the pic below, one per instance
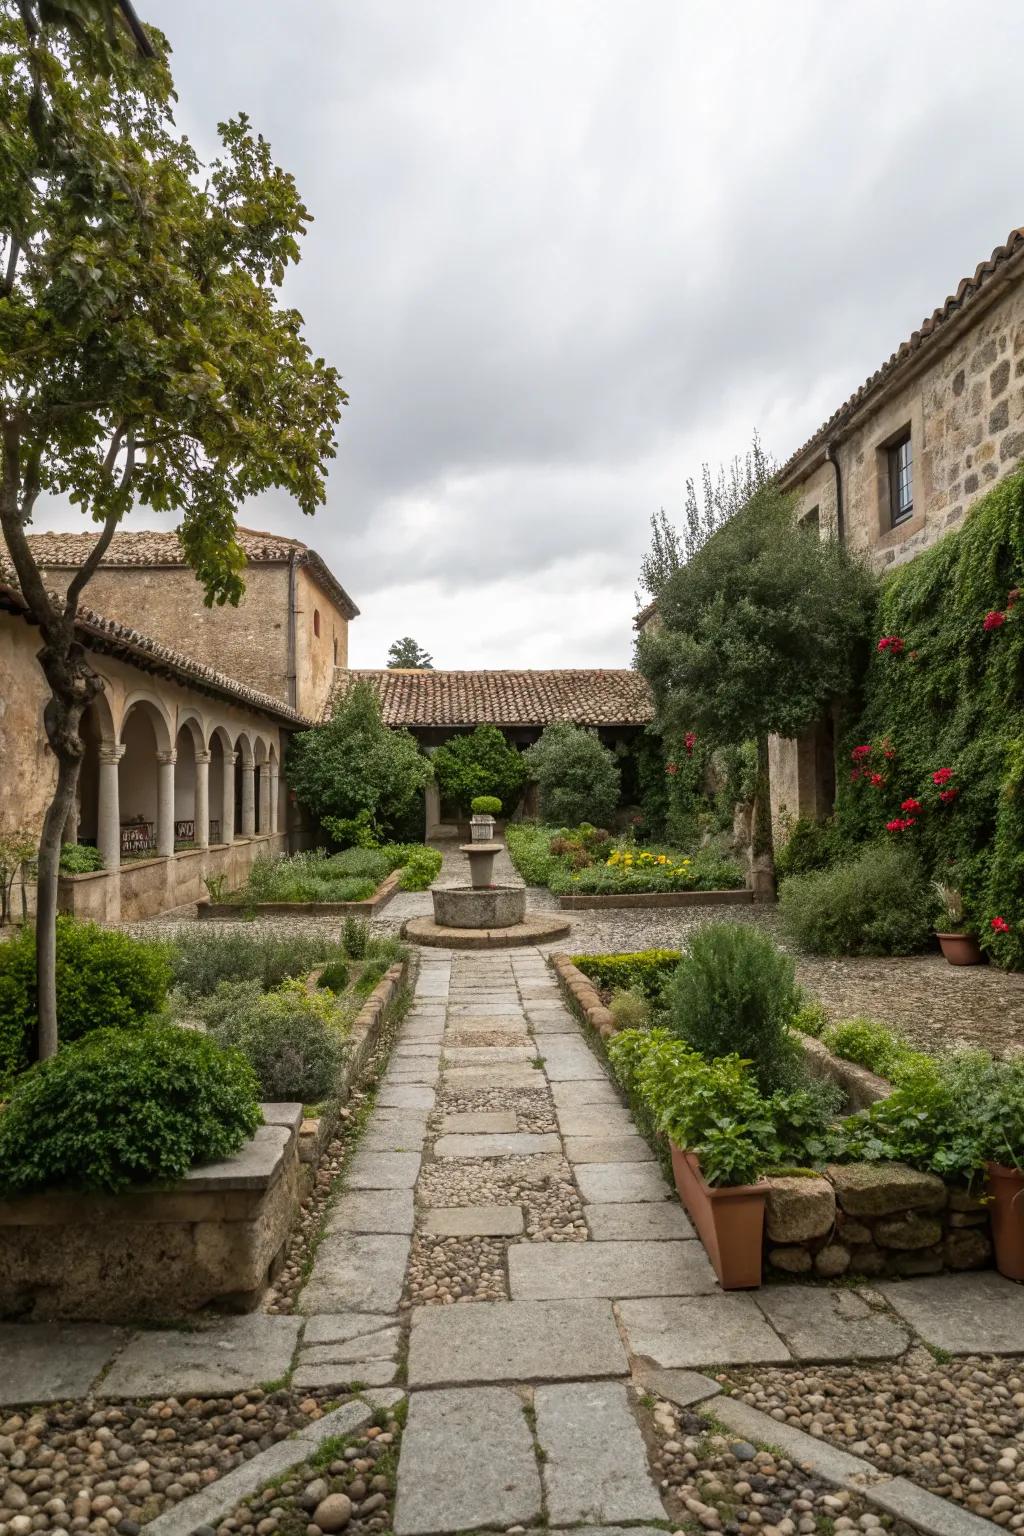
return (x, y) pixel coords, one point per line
(146, 778)
(190, 719)
(99, 736)
(222, 785)
(261, 785)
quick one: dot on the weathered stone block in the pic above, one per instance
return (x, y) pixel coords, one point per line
(880, 1189)
(908, 1232)
(968, 1248)
(832, 1260)
(926, 1261)
(798, 1209)
(792, 1261)
(866, 1259)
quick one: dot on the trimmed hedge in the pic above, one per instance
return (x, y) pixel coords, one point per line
(646, 971)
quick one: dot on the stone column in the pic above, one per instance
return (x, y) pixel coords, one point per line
(108, 807)
(248, 799)
(201, 809)
(275, 798)
(227, 799)
(431, 809)
(165, 803)
(264, 798)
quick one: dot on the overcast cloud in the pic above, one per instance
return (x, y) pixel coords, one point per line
(564, 250)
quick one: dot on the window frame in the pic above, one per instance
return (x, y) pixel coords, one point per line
(900, 475)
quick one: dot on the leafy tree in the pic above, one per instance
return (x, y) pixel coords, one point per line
(353, 770)
(144, 356)
(406, 653)
(578, 777)
(480, 763)
(760, 631)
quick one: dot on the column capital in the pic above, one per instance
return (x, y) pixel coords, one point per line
(166, 759)
(203, 757)
(230, 759)
(111, 752)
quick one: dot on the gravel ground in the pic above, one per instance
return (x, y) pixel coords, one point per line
(956, 1427)
(98, 1468)
(532, 1106)
(714, 1482)
(543, 1185)
(443, 1270)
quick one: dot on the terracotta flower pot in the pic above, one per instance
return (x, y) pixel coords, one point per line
(1006, 1186)
(729, 1221)
(960, 948)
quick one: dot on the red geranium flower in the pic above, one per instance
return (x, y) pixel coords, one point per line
(877, 779)
(671, 767)
(911, 805)
(994, 619)
(901, 824)
(948, 794)
(891, 643)
(1000, 925)
(859, 753)
(942, 775)
(690, 741)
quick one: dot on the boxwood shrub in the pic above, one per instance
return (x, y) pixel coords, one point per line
(878, 904)
(120, 1107)
(645, 971)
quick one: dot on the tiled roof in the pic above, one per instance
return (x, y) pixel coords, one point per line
(114, 639)
(153, 547)
(967, 290)
(608, 696)
(646, 613)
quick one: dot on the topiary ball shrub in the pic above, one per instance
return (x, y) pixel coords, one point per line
(334, 977)
(125, 1107)
(485, 805)
(735, 991)
(104, 979)
(878, 904)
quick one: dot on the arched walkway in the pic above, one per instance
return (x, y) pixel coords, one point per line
(146, 782)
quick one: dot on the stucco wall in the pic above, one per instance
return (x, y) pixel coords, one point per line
(315, 653)
(26, 765)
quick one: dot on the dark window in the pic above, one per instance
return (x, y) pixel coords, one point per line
(901, 481)
(812, 519)
(316, 622)
(335, 650)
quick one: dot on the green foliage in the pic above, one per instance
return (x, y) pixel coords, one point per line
(201, 958)
(704, 870)
(927, 1121)
(295, 1040)
(353, 766)
(125, 1107)
(334, 975)
(578, 777)
(104, 978)
(734, 992)
(529, 848)
(355, 936)
(79, 859)
(644, 972)
(421, 868)
(308, 877)
(878, 904)
(760, 630)
(485, 805)
(380, 954)
(630, 1011)
(811, 1017)
(810, 846)
(481, 762)
(406, 653)
(951, 698)
(872, 1045)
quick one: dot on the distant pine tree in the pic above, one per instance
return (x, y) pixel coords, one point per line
(406, 653)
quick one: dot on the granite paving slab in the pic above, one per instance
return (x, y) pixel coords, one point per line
(236, 1353)
(615, 1183)
(405, 1096)
(486, 1055)
(491, 1023)
(593, 1458)
(441, 1488)
(338, 1327)
(679, 1387)
(570, 1095)
(473, 1221)
(570, 1061)
(515, 1341)
(417, 1050)
(48, 1362)
(973, 1314)
(608, 1149)
(595, 1120)
(544, 1024)
(499, 1144)
(356, 1273)
(426, 1074)
(548, 1271)
(387, 1139)
(479, 1122)
(503, 1075)
(700, 1330)
(380, 1345)
(830, 1325)
(309, 1376)
(383, 1170)
(373, 1210)
(655, 1221)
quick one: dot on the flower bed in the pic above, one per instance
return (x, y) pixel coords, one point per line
(585, 867)
(356, 882)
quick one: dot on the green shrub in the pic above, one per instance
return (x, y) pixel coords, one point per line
(334, 976)
(870, 1044)
(811, 1017)
(125, 1107)
(734, 991)
(104, 978)
(355, 936)
(644, 972)
(80, 859)
(578, 777)
(294, 1039)
(626, 870)
(367, 863)
(485, 805)
(421, 869)
(529, 848)
(630, 1010)
(811, 845)
(202, 957)
(879, 904)
(308, 877)
(480, 762)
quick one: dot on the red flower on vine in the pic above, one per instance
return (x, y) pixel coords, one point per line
(888, 750)
(911, 805)
(891, 643)
(900, 824)
(671, 767)
(854, 775)
(1000, 925)
(860, 753)
(942, 776)
(877, 779)
(994, 619)
(948, 795)
(690, 741)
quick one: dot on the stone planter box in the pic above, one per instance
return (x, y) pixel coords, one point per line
(213, 1239)
(862, 1088)
(739, 898)
(234, 911)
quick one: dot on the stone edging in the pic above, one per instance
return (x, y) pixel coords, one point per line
(210, 1504)
(584, 994)
(733, 898)
(234, 910)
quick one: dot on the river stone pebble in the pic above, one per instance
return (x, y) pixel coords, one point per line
(333, 1513)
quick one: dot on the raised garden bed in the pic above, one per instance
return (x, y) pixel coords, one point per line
(735, 898)
(232, 911)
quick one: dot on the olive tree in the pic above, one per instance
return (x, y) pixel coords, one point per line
(145, 357)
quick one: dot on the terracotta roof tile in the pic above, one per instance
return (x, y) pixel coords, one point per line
(967, 290)
(608, 696)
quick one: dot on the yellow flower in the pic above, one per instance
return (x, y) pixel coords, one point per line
(662, 859)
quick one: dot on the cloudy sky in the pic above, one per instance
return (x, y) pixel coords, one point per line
(564, 250)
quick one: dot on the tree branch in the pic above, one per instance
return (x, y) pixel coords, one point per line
(86, 570)
(12, 267)
(15, 501)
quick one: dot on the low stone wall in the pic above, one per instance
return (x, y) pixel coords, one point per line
(146, 887)
(738, 898)
(873, 1219)
(862, 1088)
(234, 911)
(213, 1239)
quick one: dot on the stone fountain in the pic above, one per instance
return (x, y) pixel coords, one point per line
(483, 915)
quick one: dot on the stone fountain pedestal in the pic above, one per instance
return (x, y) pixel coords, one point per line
(483, 915)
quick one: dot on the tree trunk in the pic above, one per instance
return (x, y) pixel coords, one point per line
(762, 861)
(47, 875)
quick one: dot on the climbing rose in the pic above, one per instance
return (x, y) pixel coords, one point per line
(901, 824)
(690, 741)
(994, 619)
(911, 805)
(948, 794)
(942, 775)
(891, 643)
(877, 779)
(1000, 925)
(859, 753)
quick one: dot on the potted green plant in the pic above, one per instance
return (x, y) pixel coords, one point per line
(484, 808)
(998, 1115)
(958, 945)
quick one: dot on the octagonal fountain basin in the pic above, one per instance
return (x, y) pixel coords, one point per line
(494, 906)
